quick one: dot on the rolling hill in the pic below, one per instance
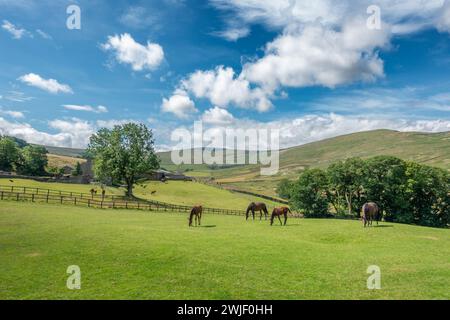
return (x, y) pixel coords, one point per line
(427, 148)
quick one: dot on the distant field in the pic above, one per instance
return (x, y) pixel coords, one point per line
(61, 161)
(81, 188)
(141, 255)
(192, 193)
(173, 192)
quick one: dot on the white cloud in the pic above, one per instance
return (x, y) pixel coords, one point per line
(17, 96)
(222, 88)
(49, 85)
(87, 108)
(43, 34)
(16, 32)
(128, 51)
(322, 43)
(318, 56)
(233, 33)
(179, 104)
(217, 116)
(72, 134)
(12, 114)
(310, 128)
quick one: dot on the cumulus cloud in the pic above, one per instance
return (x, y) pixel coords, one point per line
(318, 56)
(222, 87)
(127, 51)
(179, 104)
(87, 108)
(217, 116)
(49, 85)
(16, 32)
(322, 43)
(72, 134)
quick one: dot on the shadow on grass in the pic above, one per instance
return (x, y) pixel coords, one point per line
(208, 226)
(382, 226)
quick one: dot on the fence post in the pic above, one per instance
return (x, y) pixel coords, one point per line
(74, 201)
(89, 203)
(17, 196)
(32, 197)
(61, 199)
(2, 195)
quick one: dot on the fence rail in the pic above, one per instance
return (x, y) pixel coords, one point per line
(33, 194)
(108, 202)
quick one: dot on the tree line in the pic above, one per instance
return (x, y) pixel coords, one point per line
(16, 155)
(405, 191)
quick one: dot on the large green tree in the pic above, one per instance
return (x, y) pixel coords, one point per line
(309, 193)
(346, 184)
(9, 154)
(33, 160)
(123, 154)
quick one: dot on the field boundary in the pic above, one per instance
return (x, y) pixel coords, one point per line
(32, 194)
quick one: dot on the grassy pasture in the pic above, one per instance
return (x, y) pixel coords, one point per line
(141, 255)
(59, 161)
(191, 193)
(173, 192)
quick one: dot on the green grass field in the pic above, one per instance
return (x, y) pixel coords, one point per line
(142, 255)
(68, 187)
(173, 192)
(192, 193)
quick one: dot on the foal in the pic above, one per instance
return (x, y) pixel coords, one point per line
(278, 212)
(197, 212)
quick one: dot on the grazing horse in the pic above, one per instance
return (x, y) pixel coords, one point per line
(278, 212)
(259, 206)
(370, 212)
(197, 212)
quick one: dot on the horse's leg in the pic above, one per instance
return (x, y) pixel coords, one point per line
(260, 215)
(285, 218)
(200, 219)
(279, 218)
(271, 219)
(253, 213)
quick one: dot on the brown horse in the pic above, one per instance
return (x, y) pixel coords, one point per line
(197, 212)
(278, 212)
(370, 212)
(259, 206)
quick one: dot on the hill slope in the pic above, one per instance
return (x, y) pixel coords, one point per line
(426, 148)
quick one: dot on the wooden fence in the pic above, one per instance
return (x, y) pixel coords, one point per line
(95, 201)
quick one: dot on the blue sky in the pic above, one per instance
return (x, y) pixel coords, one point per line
(312, 70)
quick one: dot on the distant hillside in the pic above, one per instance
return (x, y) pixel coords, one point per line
(431, 149)
(427, 148)
(66, 152)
